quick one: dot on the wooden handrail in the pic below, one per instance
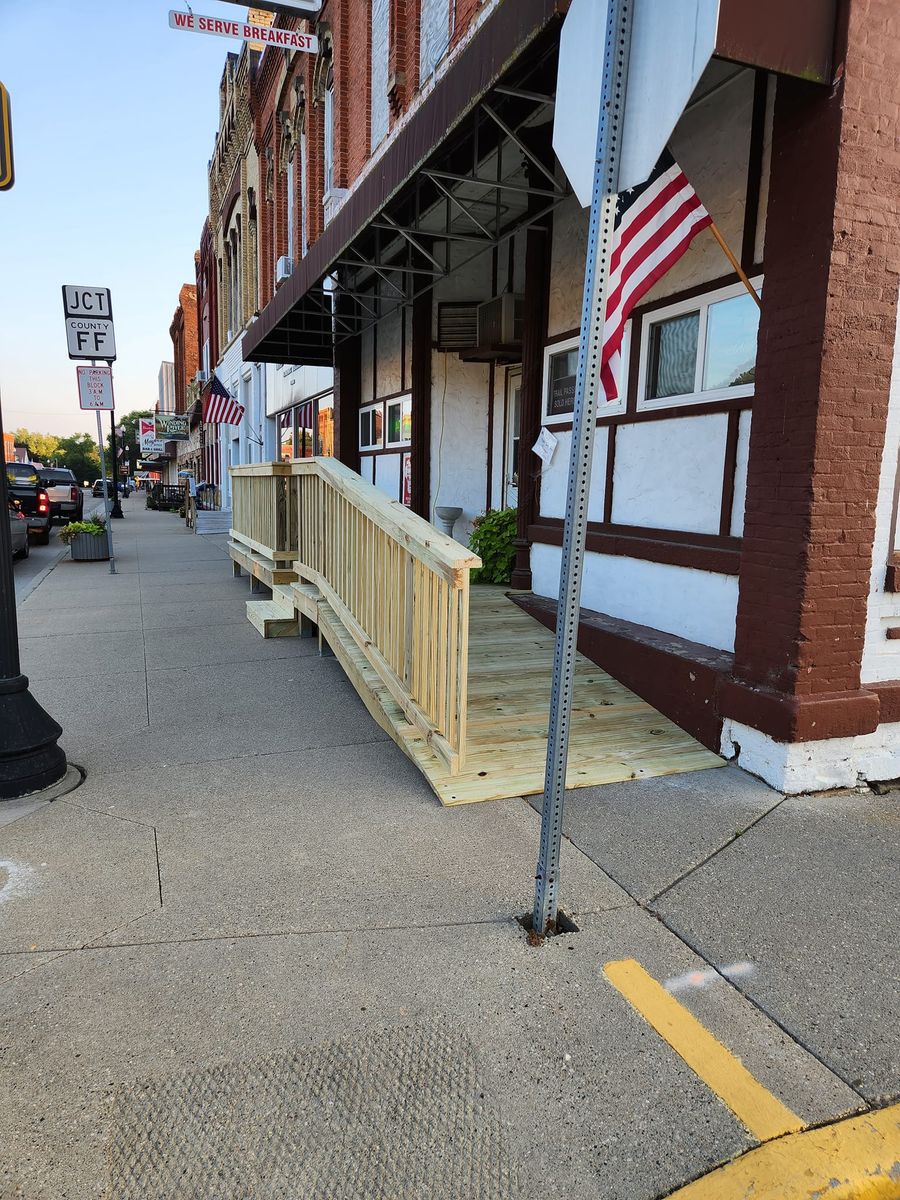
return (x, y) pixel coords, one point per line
(263, 509)
(399, 587)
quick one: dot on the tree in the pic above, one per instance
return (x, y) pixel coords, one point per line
(79, 453)
(41, 447)
(132, 448)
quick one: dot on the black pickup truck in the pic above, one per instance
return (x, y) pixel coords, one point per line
(25, 490)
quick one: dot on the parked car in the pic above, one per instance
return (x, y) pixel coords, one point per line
(97, 489)
(66, 499)
(18, 531)
(24, 485)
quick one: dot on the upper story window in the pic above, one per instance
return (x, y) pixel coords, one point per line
(328, 121)
(700, 349)
(434, 35)
(379, 72)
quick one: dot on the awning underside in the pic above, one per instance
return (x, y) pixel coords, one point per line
(494, 176)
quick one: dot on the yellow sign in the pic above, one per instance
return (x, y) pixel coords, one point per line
(7, 174)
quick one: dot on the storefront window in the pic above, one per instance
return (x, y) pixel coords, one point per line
(399, 422)
(370, 427)
(700, 349)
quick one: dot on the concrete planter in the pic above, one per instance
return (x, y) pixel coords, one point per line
(88, 547)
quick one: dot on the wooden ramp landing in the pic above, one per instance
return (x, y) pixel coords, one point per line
(614, 734)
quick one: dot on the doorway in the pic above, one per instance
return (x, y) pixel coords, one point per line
(512, 427)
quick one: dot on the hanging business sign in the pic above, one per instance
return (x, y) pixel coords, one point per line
(147, 439)
(266, 35)
(95, 390)
(171, 427)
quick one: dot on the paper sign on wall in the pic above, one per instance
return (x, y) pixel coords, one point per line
(545, 446)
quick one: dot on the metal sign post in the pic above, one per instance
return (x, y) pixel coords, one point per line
(109, 538)
(587, 388)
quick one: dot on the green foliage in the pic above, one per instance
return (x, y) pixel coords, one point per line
(96, 527)
(41, 447)
(79, 454)
(492, 541)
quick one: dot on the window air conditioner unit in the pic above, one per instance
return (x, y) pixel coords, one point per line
(457, 325)
(284, 269)
(201, 377)
(500, 320)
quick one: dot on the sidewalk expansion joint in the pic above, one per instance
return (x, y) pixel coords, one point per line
(714, 853)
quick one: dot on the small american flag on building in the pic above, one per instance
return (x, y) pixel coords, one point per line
(655, 224)
(219, 406)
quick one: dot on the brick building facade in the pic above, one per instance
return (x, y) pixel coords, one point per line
(742, 546)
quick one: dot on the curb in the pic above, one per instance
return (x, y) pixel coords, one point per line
(854, 1159)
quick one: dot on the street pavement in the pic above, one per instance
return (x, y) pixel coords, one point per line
(251, 956)
(28, 572)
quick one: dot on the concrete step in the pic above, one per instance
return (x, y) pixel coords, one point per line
(272, 619)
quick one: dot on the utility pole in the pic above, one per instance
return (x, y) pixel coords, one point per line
(116, 510)
(587, 388)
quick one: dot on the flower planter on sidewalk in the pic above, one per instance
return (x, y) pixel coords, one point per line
(89, 547)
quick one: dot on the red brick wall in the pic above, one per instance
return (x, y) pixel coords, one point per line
(823, 371)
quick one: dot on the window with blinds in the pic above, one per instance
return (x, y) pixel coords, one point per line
(435, 35)
(379, 97)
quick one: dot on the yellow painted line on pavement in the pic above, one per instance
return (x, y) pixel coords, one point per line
(855, 1159)
(756, 1108)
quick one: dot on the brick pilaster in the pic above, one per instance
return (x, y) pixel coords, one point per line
(822, 383)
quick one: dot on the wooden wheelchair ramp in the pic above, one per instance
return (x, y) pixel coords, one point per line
(458, 676)
(614, 734)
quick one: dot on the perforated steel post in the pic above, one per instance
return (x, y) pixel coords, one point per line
(596, 279)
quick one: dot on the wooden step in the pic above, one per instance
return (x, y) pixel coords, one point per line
(212, 521)
(271, 619)
(306, 598)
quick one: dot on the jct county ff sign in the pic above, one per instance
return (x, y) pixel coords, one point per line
(95, 389)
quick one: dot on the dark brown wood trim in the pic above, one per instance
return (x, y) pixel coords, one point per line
(731, 445)
(347, 394)
(389, 397)
(634, 364)
(375, 395)
(562, 337)
(403, 387)
(754, 168)
(384, 450)
(702, 552)
(531, 396)
(698, 289)
(610, 471)
(738, 404)
(420, 387)
(489, 482)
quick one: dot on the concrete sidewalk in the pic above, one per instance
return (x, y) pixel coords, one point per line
(251, 956)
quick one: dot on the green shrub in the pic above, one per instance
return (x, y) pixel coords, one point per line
(492, 541)
(95, 526)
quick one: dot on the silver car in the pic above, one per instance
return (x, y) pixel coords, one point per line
(18, 532)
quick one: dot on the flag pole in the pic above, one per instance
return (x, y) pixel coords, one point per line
(741, 273)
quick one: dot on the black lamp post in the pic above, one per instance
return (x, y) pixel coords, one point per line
(30, 759)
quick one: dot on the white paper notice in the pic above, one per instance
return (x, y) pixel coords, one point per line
(545, 446)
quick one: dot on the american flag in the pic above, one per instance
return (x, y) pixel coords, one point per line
(219, 406)
(655, 224)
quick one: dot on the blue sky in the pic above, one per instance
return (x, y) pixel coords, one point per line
(114, 118)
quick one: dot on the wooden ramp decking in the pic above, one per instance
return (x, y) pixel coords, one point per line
(614, 735)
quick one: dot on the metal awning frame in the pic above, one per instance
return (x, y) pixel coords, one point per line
(432, 228)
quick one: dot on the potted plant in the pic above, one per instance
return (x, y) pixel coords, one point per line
(87, 539)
